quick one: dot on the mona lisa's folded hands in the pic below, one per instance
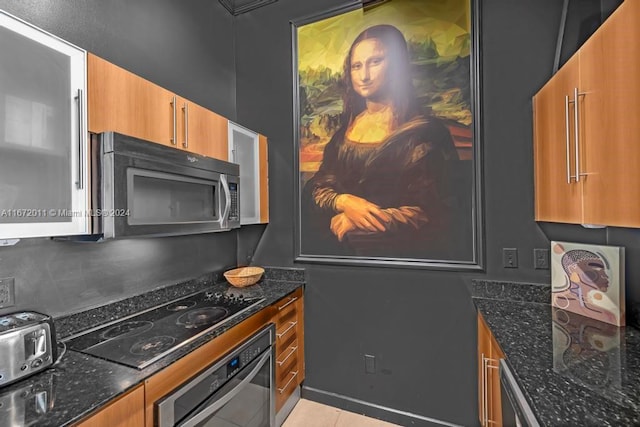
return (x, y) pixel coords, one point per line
(341, 225)
(362, 213)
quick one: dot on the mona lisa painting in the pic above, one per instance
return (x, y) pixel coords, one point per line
(387, 152)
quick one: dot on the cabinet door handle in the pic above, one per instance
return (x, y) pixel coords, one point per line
(566, 128)
(293, 375)
(174, 138)
(185, 109)
(577, 127)
(286, 331)
(81, 159)
(487, 363)
(293, 350)
(292, 299)
(485, 416)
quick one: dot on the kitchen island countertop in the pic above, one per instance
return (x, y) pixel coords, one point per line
(80, 384)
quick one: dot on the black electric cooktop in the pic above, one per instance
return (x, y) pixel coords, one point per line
(142, 339)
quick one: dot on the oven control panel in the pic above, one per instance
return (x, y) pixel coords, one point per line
(246, 356)
(215, 379)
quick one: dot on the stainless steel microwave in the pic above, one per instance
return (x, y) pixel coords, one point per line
(144, 189)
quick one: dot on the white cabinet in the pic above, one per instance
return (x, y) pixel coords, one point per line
(249, 149)
(43, 138)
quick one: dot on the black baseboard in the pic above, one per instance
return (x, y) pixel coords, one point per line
(371, 409)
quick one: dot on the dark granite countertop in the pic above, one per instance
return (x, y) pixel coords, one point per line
(573, 370)
(79, 384)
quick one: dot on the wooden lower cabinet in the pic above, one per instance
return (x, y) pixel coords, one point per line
(489, 398)
(125, 411)
(289, 320)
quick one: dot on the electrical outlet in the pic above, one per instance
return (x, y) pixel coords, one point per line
(369, 364)
(7, 292)
(510, 257)
(541, 259)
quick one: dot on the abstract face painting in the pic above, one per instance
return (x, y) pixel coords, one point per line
(387, 159)
(588, 280)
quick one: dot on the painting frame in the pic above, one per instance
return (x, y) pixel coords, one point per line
(474, 262)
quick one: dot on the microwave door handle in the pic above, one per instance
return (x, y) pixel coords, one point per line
(215, 402)
(227, 198)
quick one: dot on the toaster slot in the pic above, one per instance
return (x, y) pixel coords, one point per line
(35, 344)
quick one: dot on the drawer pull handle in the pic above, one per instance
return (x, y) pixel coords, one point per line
(293, 375)
(293, 350)
(286, 331)
(288, 302)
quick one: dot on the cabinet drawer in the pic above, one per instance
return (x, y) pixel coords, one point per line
(289, 365)
(285, 386)
(286, 307)
(286, 352)
(285, 331)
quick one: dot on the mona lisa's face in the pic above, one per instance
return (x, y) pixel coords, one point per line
(369, 65)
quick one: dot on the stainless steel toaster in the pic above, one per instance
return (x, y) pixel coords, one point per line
(27, 345)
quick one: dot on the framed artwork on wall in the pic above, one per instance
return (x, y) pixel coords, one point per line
(387, 148)
(589, 280)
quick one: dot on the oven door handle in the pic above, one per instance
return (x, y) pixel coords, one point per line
(223, 396)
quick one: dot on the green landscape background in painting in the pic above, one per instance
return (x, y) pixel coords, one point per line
(438, 36)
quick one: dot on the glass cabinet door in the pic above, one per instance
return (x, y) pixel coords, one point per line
(43, 173)
(244, 150)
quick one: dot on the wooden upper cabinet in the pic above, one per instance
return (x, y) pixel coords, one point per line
(610, 79)
(264, 179)
(123, 102)
(126, 411)
(605, 151)
(558, 197)
(201, 131)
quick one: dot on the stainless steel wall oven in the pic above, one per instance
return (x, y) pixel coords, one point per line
(237, 390)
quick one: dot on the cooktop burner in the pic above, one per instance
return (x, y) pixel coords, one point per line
(202, 316)
(152, 346)
(142, 339)
(127, 329)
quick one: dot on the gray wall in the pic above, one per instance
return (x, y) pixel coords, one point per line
(420, 324)
(186, 49)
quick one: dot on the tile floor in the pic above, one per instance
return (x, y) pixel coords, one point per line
(312, 414)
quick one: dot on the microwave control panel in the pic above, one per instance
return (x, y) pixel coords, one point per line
(234, 212)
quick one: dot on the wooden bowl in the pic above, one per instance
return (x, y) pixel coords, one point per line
(244, 276)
